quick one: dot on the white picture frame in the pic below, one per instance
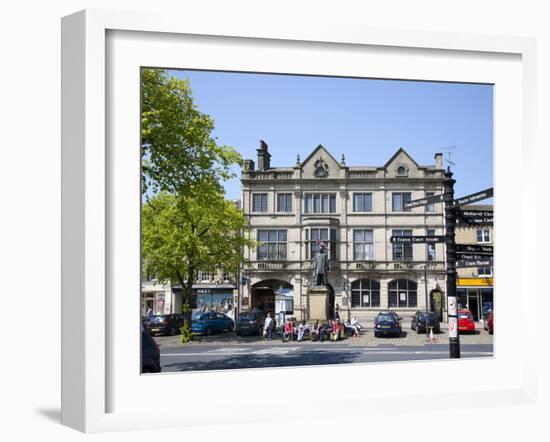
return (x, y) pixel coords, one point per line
(94, 366)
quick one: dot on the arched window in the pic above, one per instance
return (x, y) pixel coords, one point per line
(365, 293)
(402, 293)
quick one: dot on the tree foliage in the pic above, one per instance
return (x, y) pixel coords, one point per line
(186, 233)
(177, 147)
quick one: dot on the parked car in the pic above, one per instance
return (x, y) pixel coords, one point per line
(251, 322)
(165, 324)
(386, 323)
(466, 321)
(210, 322)
(422, 321)
(397, 317)
(489, 322)
(150, 353)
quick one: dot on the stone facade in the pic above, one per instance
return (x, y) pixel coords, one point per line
(355, 211)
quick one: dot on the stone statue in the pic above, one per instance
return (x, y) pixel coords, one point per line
(320, 268)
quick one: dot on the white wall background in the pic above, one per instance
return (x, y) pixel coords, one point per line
(30, 220)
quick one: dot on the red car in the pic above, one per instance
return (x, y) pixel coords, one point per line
(489, 322)
(466, 321)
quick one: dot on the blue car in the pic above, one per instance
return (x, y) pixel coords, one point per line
(386, 324)
(210, 322)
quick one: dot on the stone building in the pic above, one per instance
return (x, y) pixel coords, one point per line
(354, 210)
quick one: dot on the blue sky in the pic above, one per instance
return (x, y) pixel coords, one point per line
(366, 120)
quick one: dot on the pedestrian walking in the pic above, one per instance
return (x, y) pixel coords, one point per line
(337, 312)
(149, 314)
(268, 327)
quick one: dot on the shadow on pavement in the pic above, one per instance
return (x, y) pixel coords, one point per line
(303, 358)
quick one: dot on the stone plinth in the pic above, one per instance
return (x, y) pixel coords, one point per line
(318, 298)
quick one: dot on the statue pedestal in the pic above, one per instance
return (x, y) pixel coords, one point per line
(318, 299)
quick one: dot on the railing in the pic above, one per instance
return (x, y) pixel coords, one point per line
(361, 175)
(270, 175)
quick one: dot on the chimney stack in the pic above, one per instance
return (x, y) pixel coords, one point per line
(439, 160)
(263, 156)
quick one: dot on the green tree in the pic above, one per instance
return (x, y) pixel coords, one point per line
(186, 233)
(178, 150)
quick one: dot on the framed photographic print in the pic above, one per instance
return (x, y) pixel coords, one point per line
(269, 208)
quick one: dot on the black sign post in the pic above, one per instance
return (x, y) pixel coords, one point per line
(424, 201)
(416, 239)
(478, 196)
(452, 304)
(471, 248)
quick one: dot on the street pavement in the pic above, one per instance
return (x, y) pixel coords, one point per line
(227, 351)
(214, 357)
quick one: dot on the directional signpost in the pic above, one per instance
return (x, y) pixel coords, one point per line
(474, 217)
(470, 248)
(424, 201)
(474, 197)
(458, 256)
(416, 239)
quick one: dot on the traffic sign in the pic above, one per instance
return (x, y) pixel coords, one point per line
(478, 196)
(470, 248)
(424, 201)
(416, 239)
(474, 221)
(472, 256)
(474, 263)
(476, 213)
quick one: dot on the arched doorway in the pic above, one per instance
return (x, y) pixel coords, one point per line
(272, 296)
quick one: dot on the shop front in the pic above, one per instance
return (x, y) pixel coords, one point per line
(476, 295)
(214, 299)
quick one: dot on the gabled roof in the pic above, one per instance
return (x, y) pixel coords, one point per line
(396, 154)
(317, 149)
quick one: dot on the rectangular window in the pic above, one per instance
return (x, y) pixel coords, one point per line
(204, 276)
(363, 245)
(273, 245)
(484, 271)
(402, 252)
(362, 202)
(483, 235)
(430, 248)
(314, 235)
(398, 201)
(226, 277)
(430, 207)
(259, 202)
(284, 202)
(320, 203)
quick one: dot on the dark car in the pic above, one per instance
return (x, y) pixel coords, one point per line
(490, 322)
(210, 322)
(249, 323)
(386, 324)
(165, 324)
(422, 321)
(150, 353)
